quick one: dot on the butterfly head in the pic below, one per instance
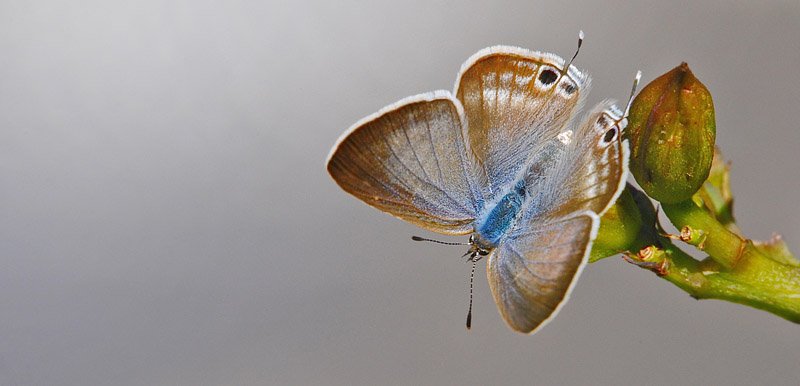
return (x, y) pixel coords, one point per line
(477, 249)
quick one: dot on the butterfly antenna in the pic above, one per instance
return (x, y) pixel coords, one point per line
(633, 92)
(417, 238)
(580, 42)
(469, 313)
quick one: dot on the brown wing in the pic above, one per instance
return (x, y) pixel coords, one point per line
(515, 100)
(411, 160)
(532, 272)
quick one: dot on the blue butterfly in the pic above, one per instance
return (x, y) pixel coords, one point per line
(497, 159)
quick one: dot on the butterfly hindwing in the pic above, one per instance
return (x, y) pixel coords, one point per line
(410, 160)
(533, 270)
(592, 172)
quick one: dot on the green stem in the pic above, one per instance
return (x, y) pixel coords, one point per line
(715, 202)
(725, 247)
(757, 281)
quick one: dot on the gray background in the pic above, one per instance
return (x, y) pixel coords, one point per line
(166, 219)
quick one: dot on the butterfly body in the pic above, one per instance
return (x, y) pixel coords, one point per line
(500, 160)
(500, 217)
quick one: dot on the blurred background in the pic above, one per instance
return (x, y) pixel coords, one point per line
(166, 217)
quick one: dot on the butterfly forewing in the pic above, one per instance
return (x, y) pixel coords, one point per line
(410, 160)
(515, 100)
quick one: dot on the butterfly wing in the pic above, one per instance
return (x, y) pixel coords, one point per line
(411, 160)
(533, 269)
(592, 172)
(532, 272)
(515, 100)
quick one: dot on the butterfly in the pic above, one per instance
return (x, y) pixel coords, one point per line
(499, 159)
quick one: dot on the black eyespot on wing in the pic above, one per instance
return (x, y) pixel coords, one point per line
(568, 88)
(610, 135)
(547, 77)
(602, 121)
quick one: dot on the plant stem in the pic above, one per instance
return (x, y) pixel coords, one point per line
(757, 281)
(725, 247)
(760, 275)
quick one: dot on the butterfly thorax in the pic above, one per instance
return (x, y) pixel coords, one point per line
(500, 217)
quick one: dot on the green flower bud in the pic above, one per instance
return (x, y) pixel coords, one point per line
(672, 131)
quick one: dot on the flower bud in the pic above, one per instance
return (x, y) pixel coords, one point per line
(672, 131)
